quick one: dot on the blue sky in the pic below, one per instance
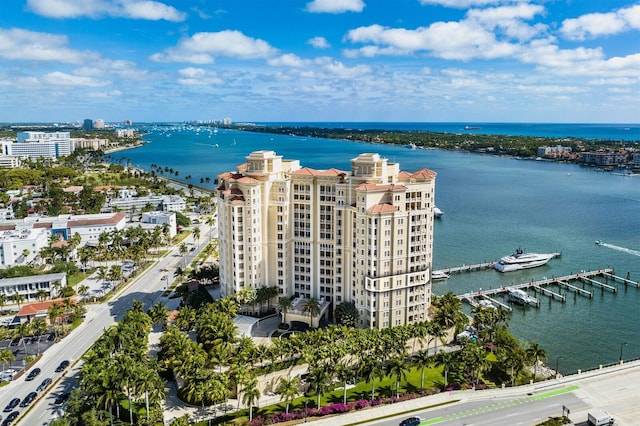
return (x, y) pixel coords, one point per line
(320, 60)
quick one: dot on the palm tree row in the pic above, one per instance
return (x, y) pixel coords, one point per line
(119, 373)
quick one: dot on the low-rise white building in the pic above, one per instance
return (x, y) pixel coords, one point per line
(28, 287)
(20, 245)
(158, 219)
(88, 226)
(173, 203)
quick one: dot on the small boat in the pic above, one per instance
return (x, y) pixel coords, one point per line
(521, 297)
(411, 145)
(439, 275)
(599, 242)
(522, 260)
(486, 304)
(437, 213)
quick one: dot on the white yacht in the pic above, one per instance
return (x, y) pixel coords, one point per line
(439, 275)
(520, 296)
(437, 213)
(521, 260)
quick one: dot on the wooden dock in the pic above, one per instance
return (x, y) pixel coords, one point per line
(467, 268)
(540, 287)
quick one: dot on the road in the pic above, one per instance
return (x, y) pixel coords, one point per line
(148, 288)
(615, 389)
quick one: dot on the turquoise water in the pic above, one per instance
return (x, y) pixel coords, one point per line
(492, 205)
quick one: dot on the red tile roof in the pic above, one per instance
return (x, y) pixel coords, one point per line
(35, 308)
(382, 208)
(117, 217)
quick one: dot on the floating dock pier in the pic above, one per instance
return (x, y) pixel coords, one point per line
(585, 277)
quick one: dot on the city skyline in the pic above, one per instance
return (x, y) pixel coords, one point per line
(320, 60)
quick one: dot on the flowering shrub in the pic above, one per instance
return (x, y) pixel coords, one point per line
(325, 410)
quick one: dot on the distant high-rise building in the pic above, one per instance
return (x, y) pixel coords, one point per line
(128, 123)
(87, 124)
(98, 123)
(226, 121)
(363, 237)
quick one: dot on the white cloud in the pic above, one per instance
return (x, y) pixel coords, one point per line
(463, 4)
(592, 25)
(335, 6)
(18, 44)
(191, 76)
(287, 60)
(449, 40)
(595, 25)
(58, 78)
(202, 48)
(319, 42)
(104, 95)
(132, 9)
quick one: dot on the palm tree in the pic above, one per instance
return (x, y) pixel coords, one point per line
(250, 394)
(18, 298)
(370, 370)
(41, 295)
(159, 313)
(396, 367)
(311, 307)
(284, 304)
(183, 249)
(102, 274)
(343, 373)
(196, 234)
(83, 290)
(3, 300)
(446, 360)
(422, 360)
(288, 390)
(534, 354)
(6, 355)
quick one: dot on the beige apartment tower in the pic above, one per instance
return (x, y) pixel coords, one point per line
(363, 236)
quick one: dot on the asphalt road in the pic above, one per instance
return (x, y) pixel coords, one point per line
(147, 288)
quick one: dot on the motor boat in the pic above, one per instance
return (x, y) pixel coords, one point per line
(439, 275)
(522, 260)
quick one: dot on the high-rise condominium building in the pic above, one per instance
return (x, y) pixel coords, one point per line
(364, 236)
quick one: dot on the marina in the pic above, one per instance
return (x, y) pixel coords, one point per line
(480, 222)
(518, 293)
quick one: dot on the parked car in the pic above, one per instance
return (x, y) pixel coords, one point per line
(33, 374)
(10, 418)
(28, 399)
(63, 365)
(12, 404)
(45, 383)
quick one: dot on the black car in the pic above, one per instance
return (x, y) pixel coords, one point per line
(32, 374)
(60, 399)
(411, 421)
(10, 418)
(12, 404)
(64, 364)
(28, 399)
(46, 382)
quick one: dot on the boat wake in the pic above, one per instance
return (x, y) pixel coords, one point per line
(622, 249)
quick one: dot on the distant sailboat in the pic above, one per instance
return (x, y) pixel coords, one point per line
(233, 143)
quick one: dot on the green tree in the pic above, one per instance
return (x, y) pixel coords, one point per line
(311, 307)
(288, 389)
(535, 354)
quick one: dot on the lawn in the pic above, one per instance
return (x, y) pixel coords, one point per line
(384, 388)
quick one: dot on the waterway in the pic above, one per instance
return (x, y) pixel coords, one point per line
(492, 206)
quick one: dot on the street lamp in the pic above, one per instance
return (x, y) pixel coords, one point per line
(622, 345)
(557, 364)
(306, 401)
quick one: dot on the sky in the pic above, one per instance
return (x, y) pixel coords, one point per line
(568, 61)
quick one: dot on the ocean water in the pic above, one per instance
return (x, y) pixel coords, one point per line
(492, 206)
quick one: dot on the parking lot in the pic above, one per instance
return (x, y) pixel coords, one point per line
(21, 349)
